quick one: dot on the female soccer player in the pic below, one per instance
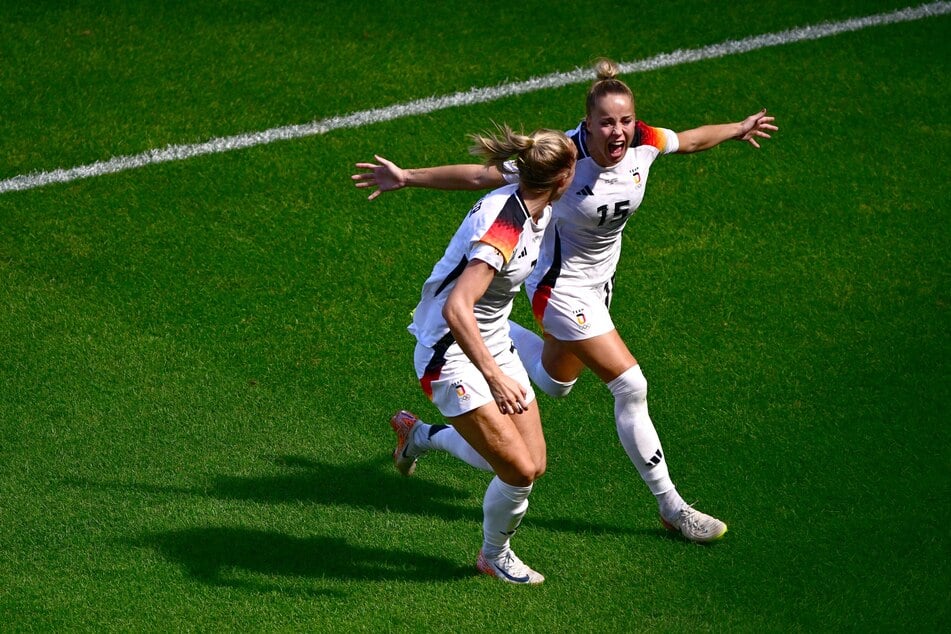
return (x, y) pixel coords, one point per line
(464, 357)
(573, 282)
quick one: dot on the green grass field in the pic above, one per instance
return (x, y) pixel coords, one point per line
(198, 358)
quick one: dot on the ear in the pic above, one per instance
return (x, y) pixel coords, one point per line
(563, 181)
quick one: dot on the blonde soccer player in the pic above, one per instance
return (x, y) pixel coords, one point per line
(465, 359)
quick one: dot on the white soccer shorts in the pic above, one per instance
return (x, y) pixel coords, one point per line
(455, 385)
(573, 313)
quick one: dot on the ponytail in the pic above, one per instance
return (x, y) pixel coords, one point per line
(540, 157)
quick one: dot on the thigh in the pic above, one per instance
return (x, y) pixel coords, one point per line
(529, 426)
(579, 332)
(559, 361)
(513, 445)
(606, 355)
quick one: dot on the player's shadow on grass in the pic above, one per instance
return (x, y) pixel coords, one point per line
(235, 556)
(374, 484)
(370, 484)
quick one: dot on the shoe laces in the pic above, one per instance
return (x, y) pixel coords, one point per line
(698, 521)
(691, 517)
(510, 562)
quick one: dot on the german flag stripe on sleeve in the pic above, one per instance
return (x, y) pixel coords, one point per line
(507, 228)
(646, 135)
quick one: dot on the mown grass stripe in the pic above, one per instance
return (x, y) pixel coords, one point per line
(470, 97)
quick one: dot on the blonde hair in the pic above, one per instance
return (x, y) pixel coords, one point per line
(606, 83)
(541, 157)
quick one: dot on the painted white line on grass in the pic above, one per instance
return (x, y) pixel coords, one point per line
(474, 96)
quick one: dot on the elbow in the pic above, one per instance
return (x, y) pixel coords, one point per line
(450, 312)
(487, 178)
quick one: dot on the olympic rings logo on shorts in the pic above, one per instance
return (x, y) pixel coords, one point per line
(460, 391)
(581, 319)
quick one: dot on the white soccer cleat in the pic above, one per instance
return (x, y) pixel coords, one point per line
(406, 453)
(509, 568)
(696, 526)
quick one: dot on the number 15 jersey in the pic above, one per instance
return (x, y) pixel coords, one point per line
(583, 245)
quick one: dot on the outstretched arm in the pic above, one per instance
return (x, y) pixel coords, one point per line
(387, 176)
(705, 137)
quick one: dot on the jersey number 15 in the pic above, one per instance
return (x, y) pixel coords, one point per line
(621, 209)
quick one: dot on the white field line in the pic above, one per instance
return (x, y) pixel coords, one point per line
(473, 96)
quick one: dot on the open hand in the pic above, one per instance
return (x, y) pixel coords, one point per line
(384, 175)
(756, 126)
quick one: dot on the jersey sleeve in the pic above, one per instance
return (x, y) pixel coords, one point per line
(510, 173)
(663, 140)
(487, 253)
(504, 230)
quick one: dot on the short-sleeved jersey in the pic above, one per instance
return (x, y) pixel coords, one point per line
(500, 231)
(583, 245)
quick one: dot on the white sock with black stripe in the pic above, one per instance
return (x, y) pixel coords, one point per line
(446, 438)
(639, 438)
(503, 508)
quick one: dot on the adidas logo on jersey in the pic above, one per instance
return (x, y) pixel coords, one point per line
(523, 253)
(585, 191)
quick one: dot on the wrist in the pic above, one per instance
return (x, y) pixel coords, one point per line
(411, 177)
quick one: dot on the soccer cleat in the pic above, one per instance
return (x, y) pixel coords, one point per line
(509, 568)
(405, 454)
(696, 526)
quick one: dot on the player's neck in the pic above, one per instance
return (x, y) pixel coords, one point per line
(535, 203)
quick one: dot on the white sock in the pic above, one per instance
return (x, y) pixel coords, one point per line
(636, 430)
(529, 347)
(669, 503)
(528, 344)
(503, 508)
(446, 438)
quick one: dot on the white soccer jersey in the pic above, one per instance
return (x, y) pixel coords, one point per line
(499, 231)
(583, 245)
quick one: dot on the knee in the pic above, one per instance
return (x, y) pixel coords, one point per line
(540, 469)
(519, 479)
(631, 382)
(541, 465)
(541, 461)
(548, 385)
(523, 473)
